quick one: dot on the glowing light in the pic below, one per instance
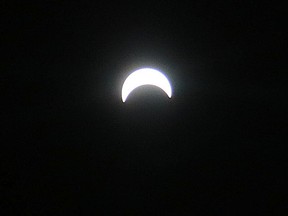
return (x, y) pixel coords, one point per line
(145, 76)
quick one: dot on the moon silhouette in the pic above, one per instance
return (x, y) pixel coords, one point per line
(145, 76)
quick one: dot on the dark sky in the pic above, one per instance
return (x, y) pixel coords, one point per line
(71, 147)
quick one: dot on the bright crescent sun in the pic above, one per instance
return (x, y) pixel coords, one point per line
(145, 76)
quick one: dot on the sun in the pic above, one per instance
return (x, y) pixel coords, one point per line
(146, 76)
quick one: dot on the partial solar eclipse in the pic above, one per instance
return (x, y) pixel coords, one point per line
(145, 76)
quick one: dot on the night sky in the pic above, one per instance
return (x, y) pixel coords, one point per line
(71, 147)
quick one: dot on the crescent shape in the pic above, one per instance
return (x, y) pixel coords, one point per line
(145, 76)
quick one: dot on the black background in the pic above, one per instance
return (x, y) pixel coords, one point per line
(71, 147)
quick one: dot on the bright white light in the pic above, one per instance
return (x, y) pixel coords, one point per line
(145, 76)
